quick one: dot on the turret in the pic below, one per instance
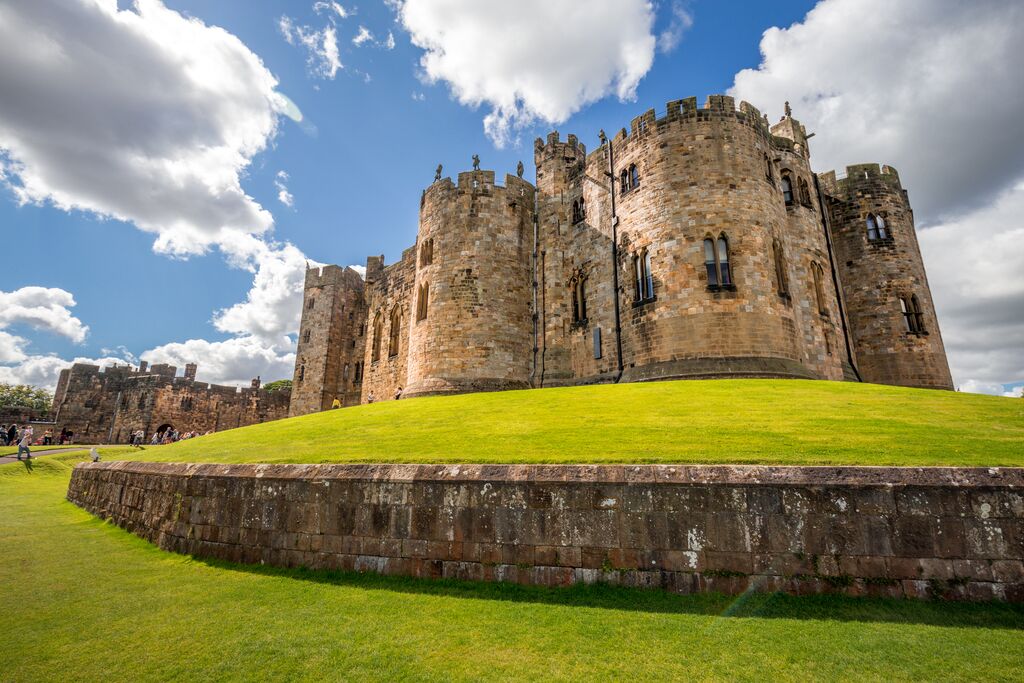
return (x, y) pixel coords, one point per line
(893, 325)
(470, 321)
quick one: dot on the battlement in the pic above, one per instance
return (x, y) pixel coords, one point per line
(321, 276)
(477, 182)
(553, 146)
(857, 175)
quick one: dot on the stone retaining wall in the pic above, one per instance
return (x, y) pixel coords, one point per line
(916, 532)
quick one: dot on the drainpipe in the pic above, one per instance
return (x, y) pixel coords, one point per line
(835, 276)
(615, 256)
(536, 247)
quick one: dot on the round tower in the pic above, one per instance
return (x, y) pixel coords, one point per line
(471, 325)
(720, 274)
(893, 324)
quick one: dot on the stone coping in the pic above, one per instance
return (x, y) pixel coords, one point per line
(796, 475)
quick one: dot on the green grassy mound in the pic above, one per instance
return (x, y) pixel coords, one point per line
(85, 601)
(719, 421)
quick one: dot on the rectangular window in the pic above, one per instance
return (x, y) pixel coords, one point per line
(597, 342)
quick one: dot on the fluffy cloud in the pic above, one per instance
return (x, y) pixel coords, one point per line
(283, 195)
(931, 87)
(323, 57)
(42, 308)
(234, 361)
(142, 115)
(680, 20)
(364, 36)
(531, 60)
(44, 370)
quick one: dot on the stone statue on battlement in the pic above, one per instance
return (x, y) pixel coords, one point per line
(437, 173)
(476, 162)
(519, 169)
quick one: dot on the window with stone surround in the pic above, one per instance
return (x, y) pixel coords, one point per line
(805, 192)
(427, 252)
(643, 279)
(186, 403)
(302, 372)
(579, 211)
(378, 331)
(819, 289)
(781, 278)
(634, 177)
(396, 329)
(787, 189)
(305, 337)
(877, 229)
(768, 169)
(716, 262)
(309, 303)
(421, 301)
(913, 316)
(578, 291)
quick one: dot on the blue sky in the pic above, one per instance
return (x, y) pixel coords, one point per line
(372, 134)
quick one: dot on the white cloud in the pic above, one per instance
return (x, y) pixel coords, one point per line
(231, 362)
(389, 43)
(359, 269)
(931, 87)
(42, 308)
(323, 57)
(283, 195)
(331, 7)
(418, 97)
(364, 36)
(146, 116)
(532, 60)
(44, 370)
(679, 22)
(12, 348)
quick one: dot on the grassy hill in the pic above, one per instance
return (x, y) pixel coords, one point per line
(718, 421)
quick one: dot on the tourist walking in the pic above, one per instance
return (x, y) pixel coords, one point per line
(398, 393)
(12, 434)
(25, 442)
(370, 398)
(335, 403)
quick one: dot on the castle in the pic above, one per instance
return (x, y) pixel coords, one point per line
(695, 245)
(107, 405)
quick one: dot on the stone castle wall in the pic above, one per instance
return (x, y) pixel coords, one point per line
(107, 405)
(916, 532)
(506, 265)
(877, 272)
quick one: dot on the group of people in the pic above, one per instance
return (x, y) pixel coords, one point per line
(22, 437)
(370, 398)
(165, 437)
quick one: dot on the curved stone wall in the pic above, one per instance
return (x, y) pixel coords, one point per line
(915, 532)
(476, 333)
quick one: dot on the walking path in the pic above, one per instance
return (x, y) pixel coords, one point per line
(43, 450)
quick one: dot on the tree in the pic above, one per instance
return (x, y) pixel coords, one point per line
(25, 396)
(279, 385)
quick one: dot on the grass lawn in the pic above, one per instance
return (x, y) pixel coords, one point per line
(717, 421)
(85, 601)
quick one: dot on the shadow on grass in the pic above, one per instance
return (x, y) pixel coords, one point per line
(603, 596)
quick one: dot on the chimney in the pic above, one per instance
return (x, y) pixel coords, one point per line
(190, 371)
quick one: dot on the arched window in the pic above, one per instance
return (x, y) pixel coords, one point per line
(302, 374)
(396, 328)
(583, 209)
(872, 227)
(781, 278)
(819, 291)
(344, 373)
(643, 279)
(579, 211)
(883, 232)
(578, 290)
(768, 169)
(716, 260)
(787, 190)
(624, 182)
(913, 316)
(421, 302)
(805, 193)
(427, 252)
(305, 337)
(378, 332)
(634, 177)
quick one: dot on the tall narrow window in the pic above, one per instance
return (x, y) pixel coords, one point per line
(634, 177)
(780, 268)
(716, 261)
(819, 291)
(768, 169)
(913, 316)
(396, 327)
(805, 193)
(421, 302)
(378, 331)
(624, 182)
(427, 252)
(305, 337)
(302, 374)
(787, 190)
(648, 275)
(872, 223)
(643, 280)
(309, 303)
(578, 290)
(583, 209)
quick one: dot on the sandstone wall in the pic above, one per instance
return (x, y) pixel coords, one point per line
(876, 272)
(916, 532)
(389, 297)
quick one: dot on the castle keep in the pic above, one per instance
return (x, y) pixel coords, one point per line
(695, 245)
(108, 405)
